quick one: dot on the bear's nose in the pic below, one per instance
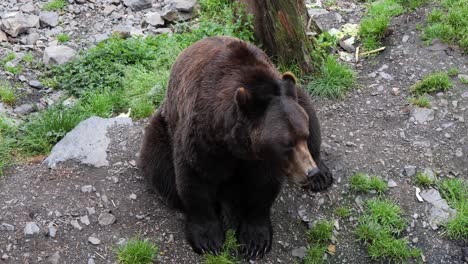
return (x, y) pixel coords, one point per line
(312, 172)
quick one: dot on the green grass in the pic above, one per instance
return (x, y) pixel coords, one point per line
(319, 236)
(343, 211)
(375, 22)
(28, 57)
(455, 191)
(361, 182)
(137, 251)
(7, 142)
(40, 133)
(420, 101)
(434, 82)
(314, 254)
(449, 23)
(54, 5)
(379, 229)
(7, 93)
(62, 38)
(229, 253)
(463, 80)
(423, 180)
(9, 57)
(332, 80)
(453, 71)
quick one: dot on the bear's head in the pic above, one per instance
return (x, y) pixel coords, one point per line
(277, 125)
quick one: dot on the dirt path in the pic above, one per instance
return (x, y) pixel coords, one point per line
(371, 130)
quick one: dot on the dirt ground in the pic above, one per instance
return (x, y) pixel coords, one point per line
(371, 130)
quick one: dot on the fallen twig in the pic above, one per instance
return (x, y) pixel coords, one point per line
(372, 51)
(357, 54)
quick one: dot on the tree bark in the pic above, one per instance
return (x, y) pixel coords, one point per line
(280, 27)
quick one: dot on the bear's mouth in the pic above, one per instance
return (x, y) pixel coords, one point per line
(301, 167)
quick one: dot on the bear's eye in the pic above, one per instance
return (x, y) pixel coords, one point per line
(290, 144)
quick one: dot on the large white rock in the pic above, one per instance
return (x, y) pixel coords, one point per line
(49, 19)
(58, 54)
(87, 143)
(16, 23)
(137, 5)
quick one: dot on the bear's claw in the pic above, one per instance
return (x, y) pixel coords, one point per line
(255, 240)
(205, 238)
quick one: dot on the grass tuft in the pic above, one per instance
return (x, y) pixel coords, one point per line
(453, 71)
(455, 191)
(379, 227)
(361, 182)
(333, 79)
(319, 236)
(137, 251)
(7, 142)
(7, 93)
(62, 38)
(54, 5)
(449, 23)
(343, 211)
(423, 180)
(28, 57)
(420, 101)
(229, 252)
(434, 82)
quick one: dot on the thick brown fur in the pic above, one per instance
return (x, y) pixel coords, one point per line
(218, 146)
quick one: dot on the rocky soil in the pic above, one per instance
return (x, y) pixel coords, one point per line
(78, 206)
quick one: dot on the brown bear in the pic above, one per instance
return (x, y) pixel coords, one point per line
(229, 133)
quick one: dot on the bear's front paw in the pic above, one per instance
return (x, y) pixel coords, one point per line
(322, 180)
(206, 237)
(255, 239)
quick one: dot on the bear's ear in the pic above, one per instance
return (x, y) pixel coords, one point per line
(289, 76)
(243, 97)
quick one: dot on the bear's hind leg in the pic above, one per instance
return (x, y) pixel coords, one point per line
(156, 161)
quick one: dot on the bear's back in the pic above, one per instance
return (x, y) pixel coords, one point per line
(206, 75)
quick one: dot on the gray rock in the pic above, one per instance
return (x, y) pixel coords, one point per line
(93, 240)
(75, 224)
(52, 232)
(32, 38)
(174, 11)
(31, 229)
(299, 252)
(465, 94)
(36, 84)
(422, 115)
(391, 183)
(106, 219)
(91, 261)
(183, 5)
(58, 55)
(386, 76)
(303, 214)
(126, 31)
(49, 19)
(5, 257)
(87, 143)
(54, 259)
(405, 38)
(154, 19)
(90, 210)
(85, 220)
(163, 31)
(3, 36)
(137, 5)
(108, 9)
(28, 8)
(317, 11)
(440, 212)
(6, 227)
(87, 188)
(24, 109)
(16, 23)
(100, 37)
(349, 48)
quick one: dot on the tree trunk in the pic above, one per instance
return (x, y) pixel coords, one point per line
(280, 26)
